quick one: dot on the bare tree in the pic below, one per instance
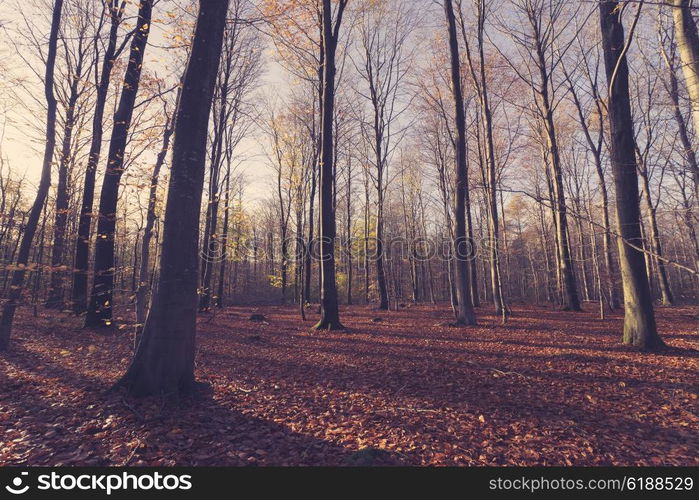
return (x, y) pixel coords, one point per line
(589, 114)
(17, 283)
(237, 76)
(477, 70)
(463, 250)
(383, 64)
(164, 361)
(639, 318)
(115, 12)
(77, 49)
(329, 312)
(99, 313)
(542, 48)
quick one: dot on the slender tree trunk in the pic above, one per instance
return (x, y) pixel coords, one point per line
(367, 214)
(164, 361)
(82, 244)
(224, 244)
(595, 148)
(473, 262)
(210, 241)
(569, 292)
(99, 312)
(480, 83)
(597, 271)
(307, 265)
(144, 267)
(55, 296)
(40, 262)
(380, 190)
(639, 318)
(380, 270)
(348, 243)
(10, 255)
(654, 240)
(301, 251)
(462, 247)
(410, 225)
(329, 312)
(582, 255)
(17, 283)
(428, 264)
(609, 265)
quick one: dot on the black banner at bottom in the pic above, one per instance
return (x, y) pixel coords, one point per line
(216, 482)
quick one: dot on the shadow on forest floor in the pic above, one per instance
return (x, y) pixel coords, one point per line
(547, 388)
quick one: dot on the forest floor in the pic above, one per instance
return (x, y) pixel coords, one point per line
(548, 388)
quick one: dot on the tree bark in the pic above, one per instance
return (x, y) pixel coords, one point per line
(480, 84)
(82, 244)
(639, 317)
(99, 314)
(329, 312)
(164, 361)
(463, 252)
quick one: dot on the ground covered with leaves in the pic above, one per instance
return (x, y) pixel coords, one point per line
(395, 388)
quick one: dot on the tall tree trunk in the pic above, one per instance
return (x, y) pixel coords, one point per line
(462, 246)
(582, 256)
(410, 225)
(82, 244)
(308, 261)
(595, 147)
(17, 283)
(480, 83)
(224, 243)
(164, 361)
(473, 262)
(301, 251)
(380, 191)
(329, 312)
(569, 292)
(99, 312)
(609, 265)
(210, 241)
(654, 240)
(568, 286)
(55, 296)
(639, 317)
(349, 233)
(366, 237)
(380, 261)
(39, 261)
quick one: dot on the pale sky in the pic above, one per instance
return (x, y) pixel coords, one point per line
(23, 132)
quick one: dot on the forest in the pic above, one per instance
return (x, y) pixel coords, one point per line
(349, 232)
